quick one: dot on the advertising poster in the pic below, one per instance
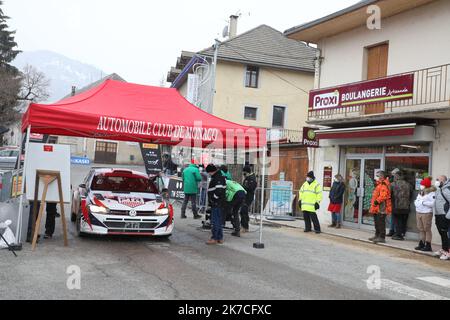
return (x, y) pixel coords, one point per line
(151, 153)
(327, 178)
(281, 196)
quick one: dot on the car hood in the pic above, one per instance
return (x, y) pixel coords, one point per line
(126, 201)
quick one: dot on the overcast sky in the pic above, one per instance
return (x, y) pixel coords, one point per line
(141, 39)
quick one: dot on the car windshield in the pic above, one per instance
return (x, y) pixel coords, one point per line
(123, 183)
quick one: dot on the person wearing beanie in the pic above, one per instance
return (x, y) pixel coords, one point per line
(309, 199)
(216, 197)
(250, 184)
(424, 214)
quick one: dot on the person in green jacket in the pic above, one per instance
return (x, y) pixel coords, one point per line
(191, 179)
(226, 173)
(235, 196)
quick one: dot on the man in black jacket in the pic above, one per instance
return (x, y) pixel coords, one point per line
(216, 197)
(250, 184)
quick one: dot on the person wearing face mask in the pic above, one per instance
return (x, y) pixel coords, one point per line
(336, 200)
(442, 214)
(381, 206)
(424, 214)
(310, 196)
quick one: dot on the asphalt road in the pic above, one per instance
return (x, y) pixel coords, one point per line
(294, 265)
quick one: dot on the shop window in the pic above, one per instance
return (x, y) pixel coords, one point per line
(415, 168)
(364, 150)
(408, 149)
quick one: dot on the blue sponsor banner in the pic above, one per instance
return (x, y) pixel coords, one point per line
(80, 161)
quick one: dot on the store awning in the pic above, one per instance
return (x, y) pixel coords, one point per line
(368, 132)
(122, 111)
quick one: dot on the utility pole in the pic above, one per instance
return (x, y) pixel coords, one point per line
(213, 84)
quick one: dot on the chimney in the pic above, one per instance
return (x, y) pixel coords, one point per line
(74, 89)
(233, 26)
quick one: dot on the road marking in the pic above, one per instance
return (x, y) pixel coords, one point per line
(412, 292)
(436, 280)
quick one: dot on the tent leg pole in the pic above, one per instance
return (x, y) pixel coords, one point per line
(260, 244)
(19, 218)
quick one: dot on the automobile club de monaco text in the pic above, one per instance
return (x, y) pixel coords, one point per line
(115, 125)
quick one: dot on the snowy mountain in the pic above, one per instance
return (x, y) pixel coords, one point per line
(62, 71)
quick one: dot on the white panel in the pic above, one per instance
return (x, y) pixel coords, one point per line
(56, 160)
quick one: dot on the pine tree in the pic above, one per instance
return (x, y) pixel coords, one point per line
(7, 43)
(10, 77)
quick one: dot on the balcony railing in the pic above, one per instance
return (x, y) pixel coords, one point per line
(284, 136)
(431, 93)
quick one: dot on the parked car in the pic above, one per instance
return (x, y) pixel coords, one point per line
(8, 157)
(120, 202)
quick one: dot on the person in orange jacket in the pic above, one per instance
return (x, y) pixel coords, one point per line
(381, 206)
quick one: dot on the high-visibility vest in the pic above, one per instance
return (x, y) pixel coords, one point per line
(309, 195)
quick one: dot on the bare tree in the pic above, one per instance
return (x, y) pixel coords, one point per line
(10, 85)
(34, 85)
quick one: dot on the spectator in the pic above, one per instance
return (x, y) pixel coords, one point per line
(191, 179)
(336, 200)
(225, 172)
(381, 206)
(235, 196)
(392, 219)
(442, 214)
(216, 197)
(310, 196)
(250, 184)
(50, 220)
(425, 203)
(401, 204)
(169, 167)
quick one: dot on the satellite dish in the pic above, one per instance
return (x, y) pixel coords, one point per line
(225, 32)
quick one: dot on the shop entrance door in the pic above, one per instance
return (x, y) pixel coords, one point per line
(360, 183)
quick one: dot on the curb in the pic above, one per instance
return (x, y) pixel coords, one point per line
(387, 245)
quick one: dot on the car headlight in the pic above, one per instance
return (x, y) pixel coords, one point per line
(162, 212)
(97, 209)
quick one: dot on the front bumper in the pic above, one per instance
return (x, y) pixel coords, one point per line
(103, 224)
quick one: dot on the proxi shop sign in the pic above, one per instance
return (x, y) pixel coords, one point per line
(363, 93)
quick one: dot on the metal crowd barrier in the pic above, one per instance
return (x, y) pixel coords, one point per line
(10, 184)
(278, 204)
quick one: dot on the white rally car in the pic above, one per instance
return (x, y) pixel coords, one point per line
(121, 202)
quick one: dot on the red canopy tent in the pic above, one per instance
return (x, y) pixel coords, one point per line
(122, 111)
(130, 112)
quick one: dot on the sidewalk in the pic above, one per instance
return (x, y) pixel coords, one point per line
(356, 235)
